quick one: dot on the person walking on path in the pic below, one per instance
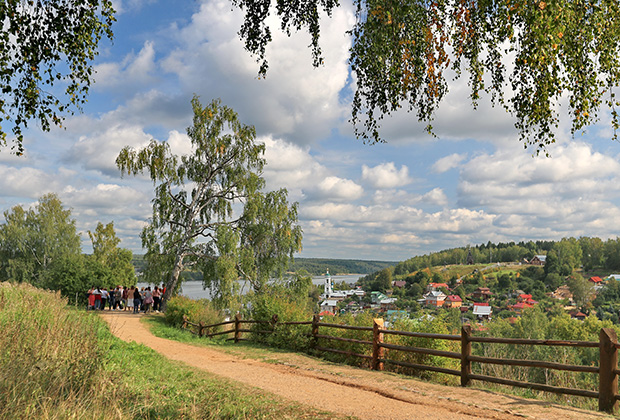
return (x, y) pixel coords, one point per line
(137, 301)
(130, 298)
(156, 299)
(148, 300)
(104, 298)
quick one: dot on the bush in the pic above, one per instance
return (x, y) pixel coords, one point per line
(364, 319)
(196, 311)
(288, 307)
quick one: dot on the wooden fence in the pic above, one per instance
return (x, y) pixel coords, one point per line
(607, 369)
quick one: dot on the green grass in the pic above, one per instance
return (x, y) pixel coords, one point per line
(59, 363)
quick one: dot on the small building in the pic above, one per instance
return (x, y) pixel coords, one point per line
(614, 277)
(562, 292)
(329, 305)
(434, 298)
(578, 315)
(388, 303)
(376, 297)
(482, 293)
(400, 284)
(520, 306)
(596, 280)
(538, 260)
(453, 301)
(436, 286)
(483, 310)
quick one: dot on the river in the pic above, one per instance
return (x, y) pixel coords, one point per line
(194, 289)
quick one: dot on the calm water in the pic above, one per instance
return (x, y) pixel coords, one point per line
(194, 289)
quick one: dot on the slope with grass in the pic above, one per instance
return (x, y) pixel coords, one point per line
(344, 390)
(57, 362)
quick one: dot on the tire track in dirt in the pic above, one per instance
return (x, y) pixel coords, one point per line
(346, 390)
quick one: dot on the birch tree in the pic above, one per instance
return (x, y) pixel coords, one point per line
(210, 211)
(528, 56)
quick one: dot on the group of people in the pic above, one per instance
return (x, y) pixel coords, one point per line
(123, 298)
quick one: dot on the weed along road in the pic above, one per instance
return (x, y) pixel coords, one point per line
(345, 390)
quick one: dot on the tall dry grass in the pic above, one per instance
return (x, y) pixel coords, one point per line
(50, 357)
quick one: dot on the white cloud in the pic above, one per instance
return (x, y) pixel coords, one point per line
(435, 196)
(386, 175)
(134, 69)
(99, 150)
(25, 182)
(106, 198)
(336, 189)
(294, 100)
(293, 167)
(448, 162)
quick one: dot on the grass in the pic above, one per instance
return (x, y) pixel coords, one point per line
(61, 363)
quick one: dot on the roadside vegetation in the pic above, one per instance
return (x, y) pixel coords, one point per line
(56, 362)
(290, 304)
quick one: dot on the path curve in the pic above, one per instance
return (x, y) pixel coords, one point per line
(346, 390)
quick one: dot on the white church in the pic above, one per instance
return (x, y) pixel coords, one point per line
(331, 297)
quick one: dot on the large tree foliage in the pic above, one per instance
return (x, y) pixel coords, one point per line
(43, 44)
(210, 211)
(32, 240)
(115, 262)
(545, 53)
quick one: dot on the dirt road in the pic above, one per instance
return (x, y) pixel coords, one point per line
(346, 390)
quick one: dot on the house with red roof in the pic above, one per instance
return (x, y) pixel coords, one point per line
(436, 286)
(453, 301)
(520, 306)
(578, 315)
(595, 279)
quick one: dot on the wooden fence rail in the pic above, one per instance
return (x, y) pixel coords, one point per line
(607, 370)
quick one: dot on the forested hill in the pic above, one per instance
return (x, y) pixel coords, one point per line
(318, 266)
(314, 266)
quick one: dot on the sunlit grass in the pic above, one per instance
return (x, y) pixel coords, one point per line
(60, 363)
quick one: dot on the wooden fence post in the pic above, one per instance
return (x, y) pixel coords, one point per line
(465, 353)
(608, 363)
(201, 326)
(377, 340)
(237, 327)
(184, 322)
(274, 321)
(315, 330)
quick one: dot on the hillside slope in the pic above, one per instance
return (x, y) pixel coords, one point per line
(346, 390)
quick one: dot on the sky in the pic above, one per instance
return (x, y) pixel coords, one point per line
(472, 183)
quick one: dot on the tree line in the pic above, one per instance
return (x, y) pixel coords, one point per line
(41, 246)
(562, 256)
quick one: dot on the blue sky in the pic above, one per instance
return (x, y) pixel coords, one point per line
(472, 183)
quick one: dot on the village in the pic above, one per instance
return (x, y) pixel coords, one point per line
(475, 307)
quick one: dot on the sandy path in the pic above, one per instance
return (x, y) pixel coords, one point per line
(346, 390)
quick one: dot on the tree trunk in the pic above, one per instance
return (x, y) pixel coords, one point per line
(173, 281)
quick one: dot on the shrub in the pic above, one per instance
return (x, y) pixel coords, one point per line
(364, 319)
(196, 311)
(288, 307)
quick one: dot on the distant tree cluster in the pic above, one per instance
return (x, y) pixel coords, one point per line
(41, 246)
(562, 256)
(318, 266)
